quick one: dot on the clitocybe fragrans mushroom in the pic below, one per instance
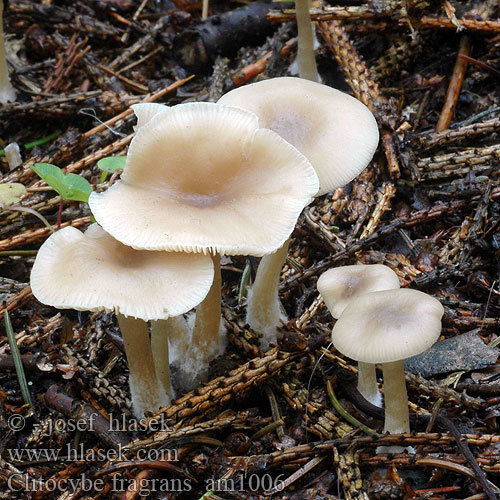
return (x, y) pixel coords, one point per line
(92, 271)
(7, 92)
(203, 177)
(388, 327)
(338, 135)
(338, 286)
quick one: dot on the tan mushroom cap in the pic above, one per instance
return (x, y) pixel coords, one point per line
(91, 271)
(205, 178)
(337, 133)
(338, 286)
(381, 327)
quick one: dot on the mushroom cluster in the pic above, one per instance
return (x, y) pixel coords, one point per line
(380, 323)
(338, 287)
(202, 180)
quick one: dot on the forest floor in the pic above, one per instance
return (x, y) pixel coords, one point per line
(264, 425)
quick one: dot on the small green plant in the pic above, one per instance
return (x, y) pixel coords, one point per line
(109, 165)
(69, 186)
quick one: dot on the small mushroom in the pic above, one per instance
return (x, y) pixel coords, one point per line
(202, 177)
(388, 327)
(337, 134)
(91, 271)
(338, 287)
(7, 91)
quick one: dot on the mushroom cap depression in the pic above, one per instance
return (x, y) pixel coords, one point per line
(202, 177)
(337, 133)
(91, 271)
(381, 327)
(338, 286)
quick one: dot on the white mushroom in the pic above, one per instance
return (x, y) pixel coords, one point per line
(338, 287)
(388, 327)
(92, 271)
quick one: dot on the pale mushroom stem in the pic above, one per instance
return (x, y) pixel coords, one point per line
(160, 338)
(7, 92)
(367, 383)
(146, 391)
(176, 330)
(204, 10)
(206, 333)
(305, 55)
(397, 414)
(263, 305)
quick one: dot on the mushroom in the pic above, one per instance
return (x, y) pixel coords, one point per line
(204, 177)
(338, 135)
(338, 287)
(7, 91)
(387, 327)
(91, 271)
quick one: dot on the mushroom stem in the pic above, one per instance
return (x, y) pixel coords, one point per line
(367, 383)
(204, 10)
(397, 415)
(208, 340)
(208, 315)
(160, 338)
(263, 305)
(305, 55)
(7, 91)
(178, 333)
(146, 391)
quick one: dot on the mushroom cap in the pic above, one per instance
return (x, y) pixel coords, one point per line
(144, 111)
(392, 325)
(338, 286)
(91, 271)
(205, 178)
(337, 133)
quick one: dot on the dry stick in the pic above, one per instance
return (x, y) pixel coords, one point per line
(365, 13)
(455, 85)
(468, 24)
(124, 114)
(277, 458)
(445, 464)
(252, 70)
(428, 140)
(221, 390)
(83, 412)
(275, 411)
(465, 450)
(16, 300)
(127, 81)
(35, 234)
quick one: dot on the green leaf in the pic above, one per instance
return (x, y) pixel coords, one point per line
(68, 186)
(11, 192)
(111, 163)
